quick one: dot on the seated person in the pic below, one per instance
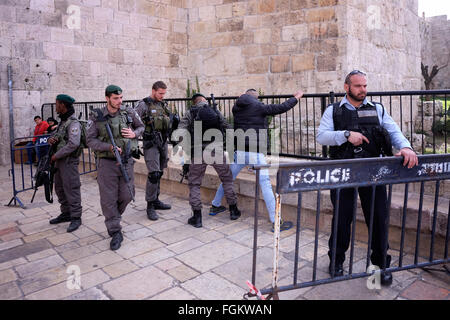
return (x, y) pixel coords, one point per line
(40, 129)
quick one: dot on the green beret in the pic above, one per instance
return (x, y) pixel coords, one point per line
(65, 98)
(113, 89)
(197, 95)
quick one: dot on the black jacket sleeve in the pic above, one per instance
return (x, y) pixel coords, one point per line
(273, 109)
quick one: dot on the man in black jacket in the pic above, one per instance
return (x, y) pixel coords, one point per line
(250, 122)
(208, 118)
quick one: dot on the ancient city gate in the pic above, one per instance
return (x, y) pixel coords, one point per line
(320, 176)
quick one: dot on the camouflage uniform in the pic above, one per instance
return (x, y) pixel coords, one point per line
(197, 169)
(114, 193)
(155, 115)
(67, 177)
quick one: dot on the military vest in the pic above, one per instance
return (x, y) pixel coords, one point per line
(365, 121)
(156, 117)
(117, 123)
(63, 136)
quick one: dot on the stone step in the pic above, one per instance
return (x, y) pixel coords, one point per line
(245, 189)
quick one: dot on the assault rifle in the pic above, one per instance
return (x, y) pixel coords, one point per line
(119, 158)
(185, 172)
(154, 138)
(44, 175)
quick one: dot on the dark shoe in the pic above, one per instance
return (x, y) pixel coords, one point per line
(338, 270)
(158, 205)
(116, 240)
(28, 162)
(234, 212)
(61, 218)
(196, 219)
(151, 213)
(74, 225)
(285, 225)
(386, 279)
(215, 210)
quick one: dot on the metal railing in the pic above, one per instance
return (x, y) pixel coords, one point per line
(22, 171)
(355, 173)
(425, 124)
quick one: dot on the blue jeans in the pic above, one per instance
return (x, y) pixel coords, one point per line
(40, 147)
(30, 151)
(241, 160)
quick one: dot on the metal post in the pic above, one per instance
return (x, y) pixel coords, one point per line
(10, 100)
(297, 235)
(323, 106)
(276, 245)
(255, 232)
(419, 223)
(331, 96)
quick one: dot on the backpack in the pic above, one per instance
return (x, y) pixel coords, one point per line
(83, 141)
(209, 117)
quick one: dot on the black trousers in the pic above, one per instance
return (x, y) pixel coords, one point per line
(379, 245)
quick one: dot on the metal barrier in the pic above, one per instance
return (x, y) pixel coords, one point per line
(355, 173)
(22, 170)
(298, 127)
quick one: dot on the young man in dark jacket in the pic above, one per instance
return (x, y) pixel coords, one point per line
(249, 115)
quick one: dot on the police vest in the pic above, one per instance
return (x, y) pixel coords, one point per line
(117, 123)
(63, 136)
(365, 121)
(209, 117)
(156, 117)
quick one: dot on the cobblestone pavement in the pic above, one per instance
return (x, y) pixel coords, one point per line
(168, 259)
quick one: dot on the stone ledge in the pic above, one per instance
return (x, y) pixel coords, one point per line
(245, 189)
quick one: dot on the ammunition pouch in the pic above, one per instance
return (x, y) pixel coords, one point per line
(151, 139)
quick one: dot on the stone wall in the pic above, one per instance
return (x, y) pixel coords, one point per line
(279, 46)
(436, 49)
(383, 40)
(80, 46)
(275, 46)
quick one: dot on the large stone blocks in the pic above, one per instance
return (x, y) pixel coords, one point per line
(257, 65)
(280, 64)
(228, 44)
(303, 62)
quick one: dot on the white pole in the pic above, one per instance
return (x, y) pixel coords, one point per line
(276, 239)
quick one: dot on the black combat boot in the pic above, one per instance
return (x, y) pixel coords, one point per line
(63, 217)
(159, 205)
(74, 225)
(386, 278)
(151, 213)
(116, 240)
(196, 219)
(234, 212)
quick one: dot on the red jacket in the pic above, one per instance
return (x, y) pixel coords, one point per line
(40, 129)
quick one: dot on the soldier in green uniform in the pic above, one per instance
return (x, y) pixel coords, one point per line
(156, 116)
(126, 126)
(66, 140)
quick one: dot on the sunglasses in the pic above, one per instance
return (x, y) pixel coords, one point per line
(356, 72)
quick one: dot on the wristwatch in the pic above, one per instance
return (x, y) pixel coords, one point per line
(346, 134)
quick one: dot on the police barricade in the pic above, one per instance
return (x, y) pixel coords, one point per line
(319, 176)
(24, 154)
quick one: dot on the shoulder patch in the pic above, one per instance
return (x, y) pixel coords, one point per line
(74, 130)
